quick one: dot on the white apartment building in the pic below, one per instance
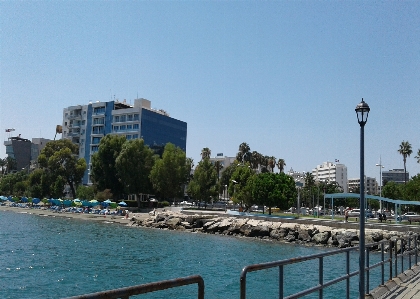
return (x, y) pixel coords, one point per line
(332, 172)
(371, 185)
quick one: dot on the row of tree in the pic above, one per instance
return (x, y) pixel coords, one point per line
(123, 167)
(249, 181)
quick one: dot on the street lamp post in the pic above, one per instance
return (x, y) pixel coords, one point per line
(234, 189)
(380, 181)
(362, 111)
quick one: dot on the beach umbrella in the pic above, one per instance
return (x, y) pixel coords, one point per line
(76, 200)
(24, 199)
(85, 203)
(94, 202)
(107, 201)
(36, 200)
(3, 197)
(122, 204)
(10, 198)
(67, 202)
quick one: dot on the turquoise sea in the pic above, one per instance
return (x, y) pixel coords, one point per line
(54, 257)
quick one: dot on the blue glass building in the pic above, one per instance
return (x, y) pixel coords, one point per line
(86, 125)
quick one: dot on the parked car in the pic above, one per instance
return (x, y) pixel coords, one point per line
(354, 213)
(407, 215)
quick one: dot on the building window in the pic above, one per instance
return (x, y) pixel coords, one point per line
(122, 118)
(136, 126)
(128, 137)
(96, 140)
(122, 128)
(129, 127)
(117, 119)
(130, 117)
(99, 110)
(136, 116)
(135, 136)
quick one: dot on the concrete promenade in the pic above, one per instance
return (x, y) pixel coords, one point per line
(405, 286)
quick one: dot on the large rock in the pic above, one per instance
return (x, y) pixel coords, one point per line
(173, 222)
(254, 231)
(321, 238)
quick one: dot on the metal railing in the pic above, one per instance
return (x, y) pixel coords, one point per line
(397, 248)
(125, 293)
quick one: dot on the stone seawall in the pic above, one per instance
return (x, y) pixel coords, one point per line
(301, 231)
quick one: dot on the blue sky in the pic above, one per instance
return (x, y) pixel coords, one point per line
(283, 76)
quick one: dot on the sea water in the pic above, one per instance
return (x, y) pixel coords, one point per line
(56, 257)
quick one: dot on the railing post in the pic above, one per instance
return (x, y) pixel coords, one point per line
(243, 285)
(281, 279)
(321, 277)
(402, 254)
(367, 269)
(396, 258)
(391, 245)
(416, 250)
(348, 274)
(382, 265)
(409, 252)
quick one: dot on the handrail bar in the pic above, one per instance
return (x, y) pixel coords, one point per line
(393, 248)
(125, 293)
(320, 287)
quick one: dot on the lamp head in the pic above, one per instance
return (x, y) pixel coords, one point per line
(362, 111)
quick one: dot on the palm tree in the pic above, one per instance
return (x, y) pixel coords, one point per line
(405, 150)
(244, 151)
(10, 164)
(272, 163)
(219, 166)
(3, 165)
(418, 156)
(281, 164)
(255, 159)
(264, 163)
(205, 153)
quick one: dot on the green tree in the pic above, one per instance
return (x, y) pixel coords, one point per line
(85, 192)
(412, 189)
(308, 193)
(168, 175)
(10, 164)
(226, 175)
(273, 189)
(60, 159)
(189, 166)
(405, 150)
(392, 190)
(133, 166)
(203, 186)
(218, 166)
(39, 183)
(14, 183)
(240, 185)
(104, 170)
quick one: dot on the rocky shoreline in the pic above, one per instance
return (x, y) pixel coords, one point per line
(282, 231)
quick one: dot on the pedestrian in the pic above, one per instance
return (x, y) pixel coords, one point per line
(346, 215)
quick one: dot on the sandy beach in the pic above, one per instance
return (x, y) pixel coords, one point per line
(82, 216)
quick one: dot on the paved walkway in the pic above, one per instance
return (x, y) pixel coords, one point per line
(404, 286)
